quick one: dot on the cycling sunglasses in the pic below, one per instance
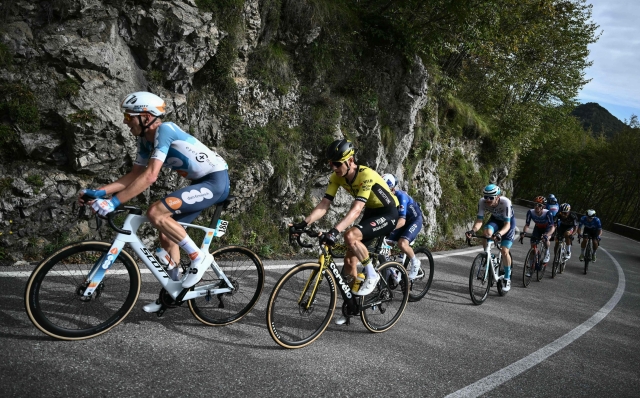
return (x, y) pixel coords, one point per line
(539, 205)
(129, 116)
(336, 164)
(489, 197)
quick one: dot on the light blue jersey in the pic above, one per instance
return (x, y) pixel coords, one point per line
(180, 152)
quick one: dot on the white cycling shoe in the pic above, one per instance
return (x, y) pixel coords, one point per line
(414, 268)
(196, 271)
(152, 307)
(368, 285)
(506, 285)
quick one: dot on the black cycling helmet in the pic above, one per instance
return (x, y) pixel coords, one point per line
(340, 151)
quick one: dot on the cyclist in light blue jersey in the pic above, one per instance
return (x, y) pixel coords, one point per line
(409, 224)
(502, 226)
(591, 226)
(166, 145)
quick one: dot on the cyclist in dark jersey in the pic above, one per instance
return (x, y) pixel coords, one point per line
(566, 226)
(371, 195)
(591, 226)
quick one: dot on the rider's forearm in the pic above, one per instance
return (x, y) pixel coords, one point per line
(137, 186)
(318, 212)
(400, 223)
(122, 182)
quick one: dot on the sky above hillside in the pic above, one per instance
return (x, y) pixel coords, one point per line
(615, 72)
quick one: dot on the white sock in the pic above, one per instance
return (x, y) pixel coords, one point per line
(191, 248)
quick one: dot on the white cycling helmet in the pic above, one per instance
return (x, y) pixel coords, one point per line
(391, 180)
(142, 101)
(591, 213)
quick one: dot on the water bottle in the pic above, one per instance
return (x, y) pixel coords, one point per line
(358, 282)
(165, 259)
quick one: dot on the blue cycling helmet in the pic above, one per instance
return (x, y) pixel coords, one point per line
(491, 190)
(552, 199)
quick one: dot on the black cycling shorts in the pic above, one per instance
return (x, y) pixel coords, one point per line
(377, 222)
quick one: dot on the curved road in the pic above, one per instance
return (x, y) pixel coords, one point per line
(575, 335)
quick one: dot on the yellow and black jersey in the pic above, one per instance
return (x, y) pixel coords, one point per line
(367, 186)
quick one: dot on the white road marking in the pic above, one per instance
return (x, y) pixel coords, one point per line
(500, 377)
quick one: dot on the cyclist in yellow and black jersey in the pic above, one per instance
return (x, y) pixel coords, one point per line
(367, 186)
(372, 195)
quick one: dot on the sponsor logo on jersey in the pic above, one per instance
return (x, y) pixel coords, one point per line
(195, 196)
(174, 203)
(373, 224)
(201, 157)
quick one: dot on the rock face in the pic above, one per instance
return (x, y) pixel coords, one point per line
(79, 58)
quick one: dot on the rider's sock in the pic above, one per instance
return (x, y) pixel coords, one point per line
(191, 248)
(507, 272)
(569, 249)
(368, 267)
(582, 251)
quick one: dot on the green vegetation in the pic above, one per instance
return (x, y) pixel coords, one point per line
(6, 58)
(8, 141)
(5, 183)
(271, 65)
(587, 172)
(156, 76)
(36, 182)
(597, 119)
(18, 106)
(68, 88)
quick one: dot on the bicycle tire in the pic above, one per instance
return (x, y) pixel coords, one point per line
(563, 262)
(54, 290)
(383, 316)
(556, 260)
(290, 325)
(479, 280)
(500, 282)
(419, 286)
(245, 271)
(529, 267)
(543, 268)
(587, 256)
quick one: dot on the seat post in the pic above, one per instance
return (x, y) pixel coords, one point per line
(218, 211)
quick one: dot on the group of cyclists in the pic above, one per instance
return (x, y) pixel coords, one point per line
(386, 210)
(550, 220)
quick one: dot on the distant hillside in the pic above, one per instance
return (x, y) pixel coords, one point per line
(599, 120)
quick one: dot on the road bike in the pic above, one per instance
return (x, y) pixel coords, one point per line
(533, 262)
(87, 288)
(559, 257)
(419, 286)
(303, 300)
(486, 270)
(588, 251)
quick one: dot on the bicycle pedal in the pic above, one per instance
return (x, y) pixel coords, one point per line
(161, 311)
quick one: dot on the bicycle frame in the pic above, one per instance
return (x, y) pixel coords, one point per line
(488, 265)
(128, 236)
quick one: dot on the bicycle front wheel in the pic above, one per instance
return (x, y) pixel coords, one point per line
(479, 279)
(529, 267)
(543, 268)
(244, 270)
(301, 305)
(54, 295)
(556, 261)
(383, 307)
(419, 286)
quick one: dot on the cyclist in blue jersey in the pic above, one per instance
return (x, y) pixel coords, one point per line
(409, 224)
(552, 205)
(566, 227)
(590, 226)
(502, 226)
(166, 145)
(543, 225)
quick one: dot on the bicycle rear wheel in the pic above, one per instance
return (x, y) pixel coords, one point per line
(291, 322)
(529, 267)
(244, 270)
(54, 298)
(479, 279)
(385, 305)
(419, 286)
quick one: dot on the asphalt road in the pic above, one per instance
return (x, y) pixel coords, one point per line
(575, 335)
